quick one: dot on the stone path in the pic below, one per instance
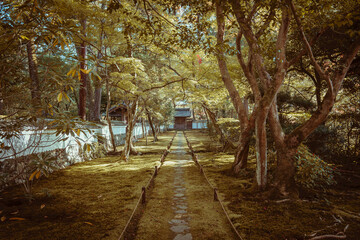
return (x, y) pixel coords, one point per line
(180, 222)
(181, 205)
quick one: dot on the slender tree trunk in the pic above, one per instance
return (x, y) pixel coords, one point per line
(125, 155)
(83, 76)
(97, 103)
(242, 154)
(143, 127)
(90, 100)
(107, 114)
(33, 72)
(128, 147)
(223, 139)
(261, 149)
(97, 81)
(152, 126)
(212, 118)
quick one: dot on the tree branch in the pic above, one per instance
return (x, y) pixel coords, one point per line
(247, 68)
(267, 22)
(303, 52)
(309, 50)
(164, 85)
(166, 20)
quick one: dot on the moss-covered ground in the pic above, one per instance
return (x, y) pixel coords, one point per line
(88, 200)
(317, 211)
(94, 200)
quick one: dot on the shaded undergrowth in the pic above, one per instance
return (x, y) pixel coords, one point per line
(89, 200)
(326, 211)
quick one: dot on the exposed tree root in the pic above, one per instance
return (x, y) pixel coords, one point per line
(328, 236)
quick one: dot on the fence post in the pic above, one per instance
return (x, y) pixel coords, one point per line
(216, 198)
(143, 195)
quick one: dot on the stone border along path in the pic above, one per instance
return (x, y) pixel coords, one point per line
(181, 206)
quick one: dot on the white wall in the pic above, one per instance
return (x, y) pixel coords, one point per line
(199, 124)
(30, 142)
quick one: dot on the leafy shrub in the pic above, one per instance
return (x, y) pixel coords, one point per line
(98, 150)
(27, 169)
(311, 171)
(230, 127)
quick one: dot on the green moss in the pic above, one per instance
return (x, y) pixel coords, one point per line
(89, 200)
(258, 218)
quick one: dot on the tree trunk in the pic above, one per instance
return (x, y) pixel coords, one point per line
(107, 114)
(90, 100)
(128, 147)
(143, 127)
(83, 76)
(97, 104)
(152, 126)
(284, 181)
(212, 118)
(261, 149)
(240, 108)
(242, 152)
(125, 155)
(33, 72)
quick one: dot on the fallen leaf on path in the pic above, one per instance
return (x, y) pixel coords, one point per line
(14, 213)
(3, 218)
(89, 223)
(42, 206)
(16, 218)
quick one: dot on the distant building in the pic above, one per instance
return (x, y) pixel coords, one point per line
(118, 113)
(182, 119)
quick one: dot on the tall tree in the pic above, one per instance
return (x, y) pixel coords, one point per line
(33, 72)
(83, 75)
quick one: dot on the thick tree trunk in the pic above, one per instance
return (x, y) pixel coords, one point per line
(151, 125)
(284, 181)
(83, 76)
(33, 72)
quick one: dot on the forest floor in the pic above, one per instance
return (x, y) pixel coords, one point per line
(94, 200)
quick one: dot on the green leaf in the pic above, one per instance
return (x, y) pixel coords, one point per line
(60, 96)
(33, 175)
(86, 71)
